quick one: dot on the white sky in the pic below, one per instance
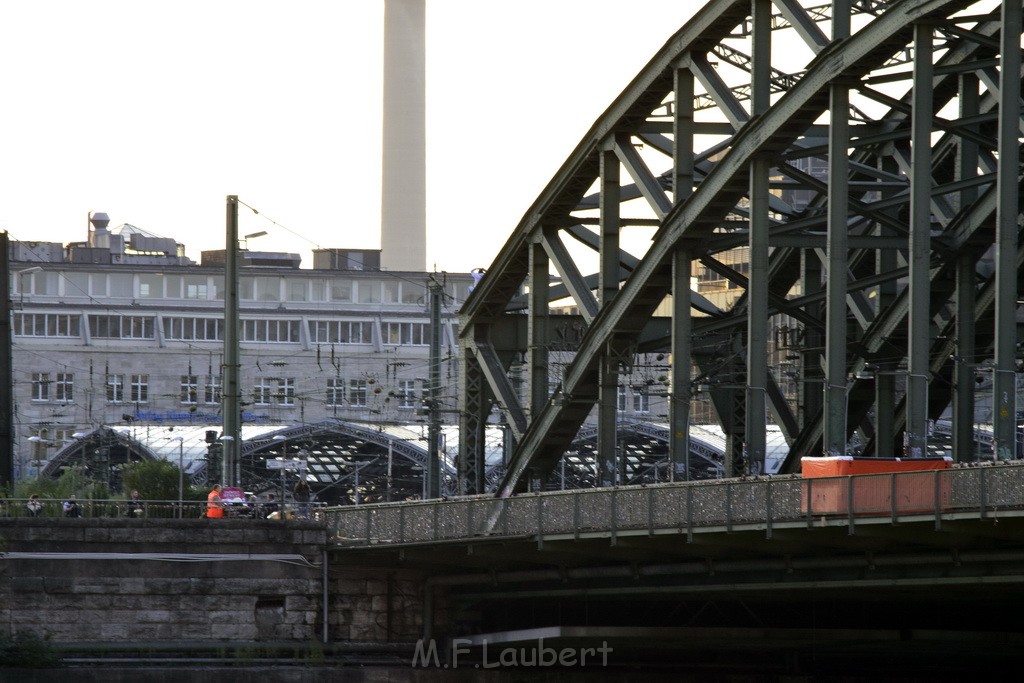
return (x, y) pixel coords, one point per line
(154, 112)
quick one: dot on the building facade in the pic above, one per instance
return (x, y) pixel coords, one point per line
(104, 334)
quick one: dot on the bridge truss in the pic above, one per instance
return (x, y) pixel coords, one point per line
(865, 154)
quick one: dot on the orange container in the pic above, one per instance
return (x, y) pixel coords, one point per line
(871, 484)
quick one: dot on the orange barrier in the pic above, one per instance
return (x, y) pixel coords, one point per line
(832, 481)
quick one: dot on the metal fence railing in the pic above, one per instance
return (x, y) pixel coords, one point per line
(686, 507)
(151, 509)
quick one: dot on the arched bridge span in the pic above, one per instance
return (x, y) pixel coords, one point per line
(850, 169)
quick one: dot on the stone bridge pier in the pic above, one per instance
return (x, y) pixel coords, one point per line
(121, 581)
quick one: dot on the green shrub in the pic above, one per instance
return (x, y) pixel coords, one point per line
(153, 479)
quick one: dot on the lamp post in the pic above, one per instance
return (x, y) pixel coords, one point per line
(37, 459)
(282, 439)
(181, 472)
(82, 435)
(227, 443)
(252, 235)
(232, 396)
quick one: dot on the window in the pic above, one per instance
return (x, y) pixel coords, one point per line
(151, 286)
(620, 399)
(369, 292)
(406, 393)
(391, 292)
(193, 329)
(297, 289)
(357, 392)
(335, 392)
(196, 287)
(641, 402)
(246, 288)
(318, 291)
(413, 294)
(218, 287)
(115, 388)
(121, 327)
(286, 391)
(23, 282)
(340, 332)
(213, 390)
(98, 285)
(269, 390)
(262, 391)
(76, 285)
(189, 389)
(341, 290)
(46, 325)
(65, 387)
(40, 386)
(268, 289)
(405, 334)
(173, 285)
(270, 331)
(47, 284)
(140, 389)
(121, 285)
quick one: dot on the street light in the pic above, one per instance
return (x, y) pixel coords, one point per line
(226, 476)
(252, 235)
(37, 460)
(284, 447)
(82, 435)
(181, 471)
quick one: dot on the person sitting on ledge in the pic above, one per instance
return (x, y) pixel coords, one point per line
(270, 507)
(71, 508)
(34, 506)
(136, 508)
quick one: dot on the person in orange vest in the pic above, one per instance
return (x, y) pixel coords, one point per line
(214, 506)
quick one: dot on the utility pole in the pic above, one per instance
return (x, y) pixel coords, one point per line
(232, 394)
(6, 368)
(434, 393)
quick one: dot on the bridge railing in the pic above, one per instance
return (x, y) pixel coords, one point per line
(685, 507)
(148, 509)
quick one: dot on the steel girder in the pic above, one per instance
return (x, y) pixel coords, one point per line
(872, 178)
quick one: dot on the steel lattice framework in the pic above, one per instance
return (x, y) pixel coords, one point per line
(896, 124)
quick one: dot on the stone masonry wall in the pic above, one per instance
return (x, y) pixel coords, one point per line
(161, 580)
(378, 605)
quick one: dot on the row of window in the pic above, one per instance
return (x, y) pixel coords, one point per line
(641, 401)
(212, 329)
(62, 387)
(266, 391)
(70, 285)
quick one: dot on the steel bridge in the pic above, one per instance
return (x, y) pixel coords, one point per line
(915, 574)
(896, 124)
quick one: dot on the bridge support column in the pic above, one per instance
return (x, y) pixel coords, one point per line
(607, 421)
(1004, 381)
(963, 380)
(836, 407)
(919, 319)
(682, 353)
(537, 331)
(757, 289)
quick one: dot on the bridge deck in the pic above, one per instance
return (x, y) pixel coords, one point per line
(767, 505)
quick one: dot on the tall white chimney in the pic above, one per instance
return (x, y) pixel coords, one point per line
(403, 219)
